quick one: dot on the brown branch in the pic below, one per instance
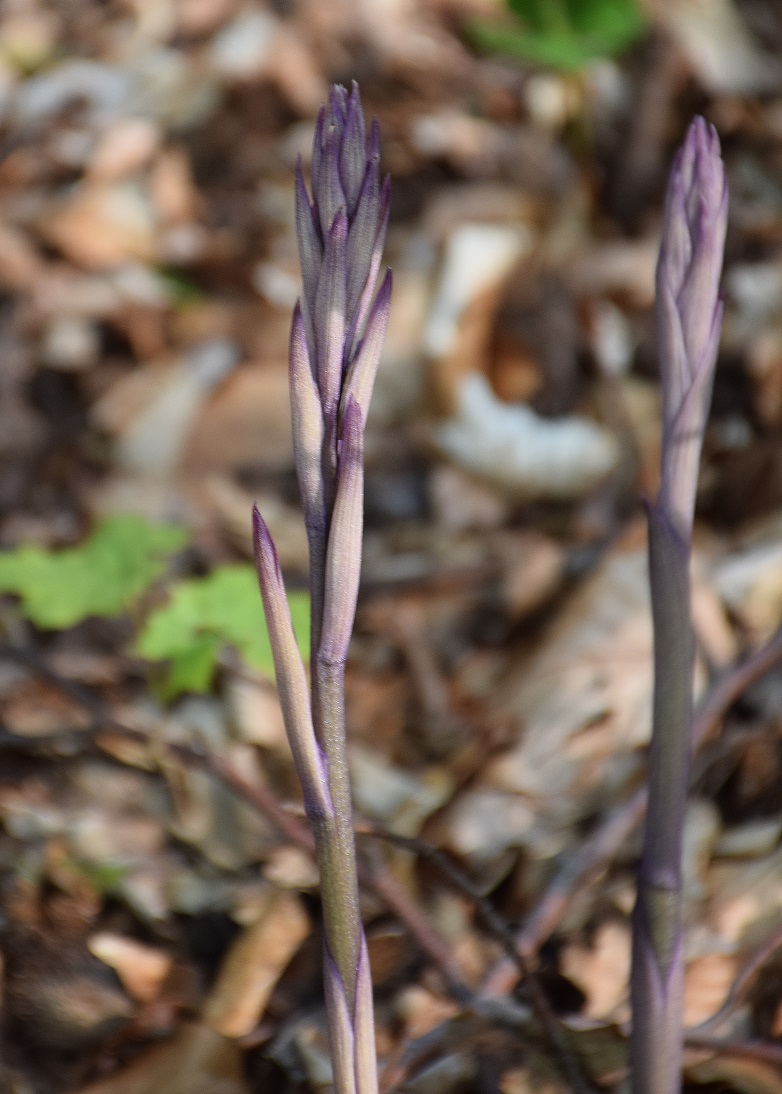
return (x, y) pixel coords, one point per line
(621, 822)
(764, 1051)
(499, 929)
(745, 979)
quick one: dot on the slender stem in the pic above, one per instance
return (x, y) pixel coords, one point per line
(689, 318)
(335, 838)
(615, 829)
(669, 757)
(658, 964)
(316, 538)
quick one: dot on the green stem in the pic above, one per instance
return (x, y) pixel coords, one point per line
(658, 968)
(335, 837)
(316, 539)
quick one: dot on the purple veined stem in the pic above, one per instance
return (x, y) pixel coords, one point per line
(343, 566)
(336, 339)
(689, 315)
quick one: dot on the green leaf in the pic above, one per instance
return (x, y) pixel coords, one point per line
(564, 34)
(183, 291)
(103, 576)
(542, 16)
(205, 614)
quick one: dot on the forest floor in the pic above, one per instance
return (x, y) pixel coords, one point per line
(159, 918)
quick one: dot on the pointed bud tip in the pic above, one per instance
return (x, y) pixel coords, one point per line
(298, 339)
(700, 158)
(703, 134)
(263, 544)
(374, 138)
(386, 287)
(298, 350)
(339, 225)
(301, 186)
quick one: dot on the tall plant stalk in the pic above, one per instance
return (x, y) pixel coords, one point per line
(336, 339)
(689, 319)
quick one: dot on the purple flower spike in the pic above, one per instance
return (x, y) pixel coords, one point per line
(689, 311)
(336, 342)
(353, 156)
(689, 316)
(340, 258)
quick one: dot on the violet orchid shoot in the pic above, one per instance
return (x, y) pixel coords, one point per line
(336, 340)
(689, 317)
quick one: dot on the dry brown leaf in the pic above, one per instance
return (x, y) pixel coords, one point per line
(195, 17)
(151, 412)
(422, 1011)
(534, 568)
(246, 423)
(20, 265)
(602, 969)
(601, 1048)
(35, 709)
(460, 503)
(739, 1073)
(102, 226)
(477, 262)
(745, 899)
(750, 580)
(297, 72)
(751, 840)
(520, 1081)
(198, 1060)
(764, 365)
(623, 268)
(290, 867)
(582, 698)
(125, 148)
(174, 194)
(227, 831)
(257, 715)
(254, 964)
(725, 57)
(482, 823)
(707, 982)
(712, 628)
(141, 968)
(231, 504)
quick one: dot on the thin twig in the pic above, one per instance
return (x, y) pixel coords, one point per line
(622, 821)
(499, 929)
(751, 1050)
(745, 979)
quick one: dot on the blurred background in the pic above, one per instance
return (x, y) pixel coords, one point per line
(499, 678)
